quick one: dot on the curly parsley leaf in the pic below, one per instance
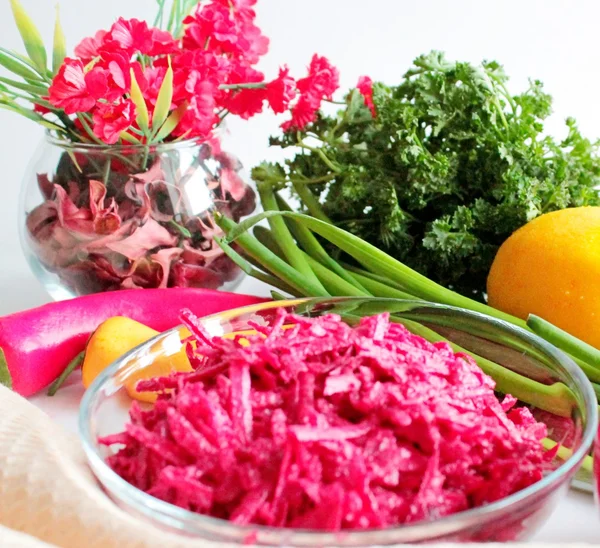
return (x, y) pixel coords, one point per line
(449, 168)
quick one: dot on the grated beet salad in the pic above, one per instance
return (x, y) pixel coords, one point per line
(328, 427)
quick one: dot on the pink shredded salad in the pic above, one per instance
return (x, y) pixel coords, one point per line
(325, 426)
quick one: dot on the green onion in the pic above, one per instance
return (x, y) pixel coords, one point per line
(270, 261)
(565, 453)
(282, 234)
(565, 341)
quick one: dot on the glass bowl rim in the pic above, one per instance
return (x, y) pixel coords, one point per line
(105, 147)
(470, 517)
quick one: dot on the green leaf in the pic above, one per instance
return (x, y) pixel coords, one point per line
(5, 378)
(59, 51)
(129, 138)
(50, 125)
(36, 90)
(17, 67)
(31, 115)
(22, 111)
(171, 122)
(143, 118)
(32, 39)
(164, 100)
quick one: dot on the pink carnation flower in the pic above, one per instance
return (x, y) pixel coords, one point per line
(73, 90)
(134, 36)
(112, 120)
(281, 91)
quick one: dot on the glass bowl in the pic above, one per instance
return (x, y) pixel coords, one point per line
(96, 218)
(105, 405)
(596, 480)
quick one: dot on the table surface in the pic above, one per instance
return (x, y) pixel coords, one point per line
(576, 518)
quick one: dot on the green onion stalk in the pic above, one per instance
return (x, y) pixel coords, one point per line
(289, 255)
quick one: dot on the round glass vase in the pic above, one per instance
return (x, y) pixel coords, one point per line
(99, 218)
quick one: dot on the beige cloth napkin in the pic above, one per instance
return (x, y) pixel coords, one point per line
(49, 497)
(48, 492)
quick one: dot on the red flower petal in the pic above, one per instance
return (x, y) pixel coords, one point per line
(322, 81)
(281, 91)
(323, 78)
(246, 102)
(200, 118)
(134, 36)
(202, 257)
(365, 86)
(69, 89)
(88, 49)
(97, 83)
(227, 31)
(41, 221)
(186, 275)
(152, 271)
(111, 120)
(165, 258)
(303, 113)
(41, 109)
(45, 185)
(163, 43)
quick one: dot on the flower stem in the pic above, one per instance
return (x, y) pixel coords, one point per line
(249, 85)
(106, 174)
(74, 364)
(88, 129)
(145, 157)
(319, 152)
(180, 228)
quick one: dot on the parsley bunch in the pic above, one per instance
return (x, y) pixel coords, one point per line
(448, 168)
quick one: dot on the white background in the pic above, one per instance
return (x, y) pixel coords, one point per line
(556, 41)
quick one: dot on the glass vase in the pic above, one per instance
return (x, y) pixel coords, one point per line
(99, 218)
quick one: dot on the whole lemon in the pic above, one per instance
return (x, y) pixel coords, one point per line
(551, 268)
